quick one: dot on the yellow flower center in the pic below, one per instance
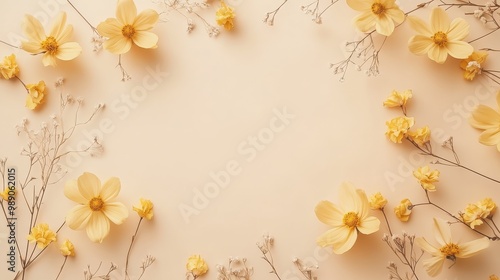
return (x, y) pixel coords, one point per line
(96, 204)
(351, 219)
(128, 31)
(50, 45)
(450, 250)
(378, 8)
(440, 39)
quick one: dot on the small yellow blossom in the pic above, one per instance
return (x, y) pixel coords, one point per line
(144, 209)
(441, 37)
(5, 194)
(67, 248)
(379, 15)
(196, 265)
(346, 219)
(474, 213)
(36, 95)
(225, 16)
(473, 64)
(447, 248)
(398, 99)
(55, 45)
(494, 277)
(427, 177)
(397, 128)
(420, 136)
(9, 67)
(403, 210)
(129, 27)
(42, 235)
(487, 119)
(377, 201)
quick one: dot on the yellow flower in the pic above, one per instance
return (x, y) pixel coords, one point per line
(472, 64)
(129, 27)
(494, 277)
(36, 95)
(403, 210)
(5, 194)
(345, 219)
(381, 15)
(55, 45)
(488, 206)
(196, 265)
(144, 209)
(447, 249)
(398, 99)
(487, 119)
(377, 201)
(67, 248)
(397, 128)
(441, 37)
(474, 214)
(95, 209)
(224, 16)
(9, 67)
(42, 235)
(421, 135)
(427, 178)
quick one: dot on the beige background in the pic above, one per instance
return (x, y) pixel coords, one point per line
(212, 97)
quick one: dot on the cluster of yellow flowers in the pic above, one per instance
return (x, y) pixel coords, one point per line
(196, 266)
(475, 213)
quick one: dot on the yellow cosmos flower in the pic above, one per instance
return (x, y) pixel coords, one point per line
(421, 135)
(377, 201)
(129, 27)
(346, 219)
(67, 249)
(42, 235)
(144, 209)
(427, 177)
(55, 45)
(441, 37)
(225, 16)
(398, 99)
(196, 265)
(403, 210)
(381, 15)
(472, 64)
(397, 128)
(9, 67)
(36, 95)
(487, 119)
(447, 248)
(95, 209)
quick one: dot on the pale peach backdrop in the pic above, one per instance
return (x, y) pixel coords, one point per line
(211, 95)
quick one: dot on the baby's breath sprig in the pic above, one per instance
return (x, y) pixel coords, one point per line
(265, 248)
(314, 9)
(97, 40)
(236, 269)
(404, 248)
(89, 275)
(306, 270)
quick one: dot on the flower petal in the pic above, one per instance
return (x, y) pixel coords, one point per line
(365, 21)
(396, 14)
(433, 265)
(369, 225)
(349, 199)
(341, 239)
(69, 51)
(329, 213)
(118, 45)
(33, 29)
(146, 20)
(145, 39)
(116, 212)
(490, 137)
(484, 117)
(440, 21)
(58, 25)
(32, 47)
(420, 26)
(438, 54)
(78, 217)
(498, 99)
(459, 49)
(364, 204)
(459, 29)
(110, 28)
(97, 227)
(359, 5)
(442, 232)
(126, 11)
(420, 44)
(384, 25)
(49, 60)
(65, 35)
(89, 185)
(71, 191)
(110, 189)
(473, 247)
(426, 246)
